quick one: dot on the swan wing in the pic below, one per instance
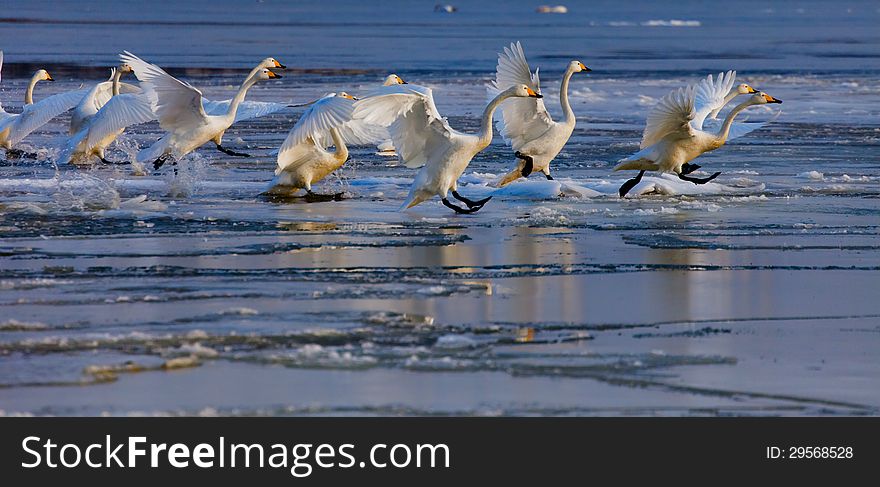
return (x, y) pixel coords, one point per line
(710, 96)
(246, 110)
(178, 103)
(522, 119)
(413, 122)
(326, 113)
(671, 115)
(120, 112)
(35, 116)
(104, 91)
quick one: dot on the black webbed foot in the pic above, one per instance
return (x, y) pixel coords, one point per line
(311, 197)
(105, 161)
(549, 177)
(688, 168)
(469, 202)
(231, 152)
(529, 163)
(18, 153)
(698, 180)
(159, 162)
(459, 209)
(630, 184)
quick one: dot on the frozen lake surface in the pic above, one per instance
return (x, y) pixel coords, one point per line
(124, 292)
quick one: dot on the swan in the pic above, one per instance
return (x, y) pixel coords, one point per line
(136, 107)
(525, 123)
(674, 132)
(181, 112)
(16, 126)
(423, 137)
(98, 96)
(303, 158)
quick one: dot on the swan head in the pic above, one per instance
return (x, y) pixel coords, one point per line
(343, 94)
(523, 91)
(744, 89)
(393, 79)
(43, 75)
(270, 63)
(577, 67)
(125, 68)
(761, 98)
(267, 74)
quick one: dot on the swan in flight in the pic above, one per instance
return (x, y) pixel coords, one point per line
(424, 138)
(98, 96)
(525, 123)
(16, 126)
(674, 133)
(182, 113)
(303, 158)
(136, 107)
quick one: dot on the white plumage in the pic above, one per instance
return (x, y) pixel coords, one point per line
(424, 138)
(180, 110)
(525, 123)
(16, 126)
(674, 132)
(303, 158)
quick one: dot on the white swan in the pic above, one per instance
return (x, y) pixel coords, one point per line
(303, 158)
(423, 137)
(126, 109)
(674, 132)
(179, 107)
(98, 96)
(525, 123)
(16, 126)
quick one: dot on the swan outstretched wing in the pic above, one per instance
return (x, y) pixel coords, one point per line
(711, 95)
(246, 110)
(409, 112)
(178, 104)
(104, 91)
(120, 112)
(672, 114)
(35, 116)
(522, 119)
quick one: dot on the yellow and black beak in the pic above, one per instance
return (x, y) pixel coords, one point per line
(49, 77)
(770, 99)
(272, 74)
(399, 79)
(585, 69)
(752, 91)
(532, 93)
(279, 65)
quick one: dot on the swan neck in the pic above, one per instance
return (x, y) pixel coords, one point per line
(563, 97)
(486, 122)
(728, 120)
(29, 93)
(341, 153)
(116, 76)
(239, 97)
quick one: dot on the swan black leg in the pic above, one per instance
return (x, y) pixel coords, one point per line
(529, 163)
(18, 153)
(630, 184)
(231, 152)
(160, 162)
(459, 209)
(688, 168)
(317, 198)
(471, 203)
(698, 180)
(549, 177)
(105, 161)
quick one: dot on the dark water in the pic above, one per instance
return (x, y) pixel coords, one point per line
(124, 293)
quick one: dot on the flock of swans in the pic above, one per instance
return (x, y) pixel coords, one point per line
(398, 117)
